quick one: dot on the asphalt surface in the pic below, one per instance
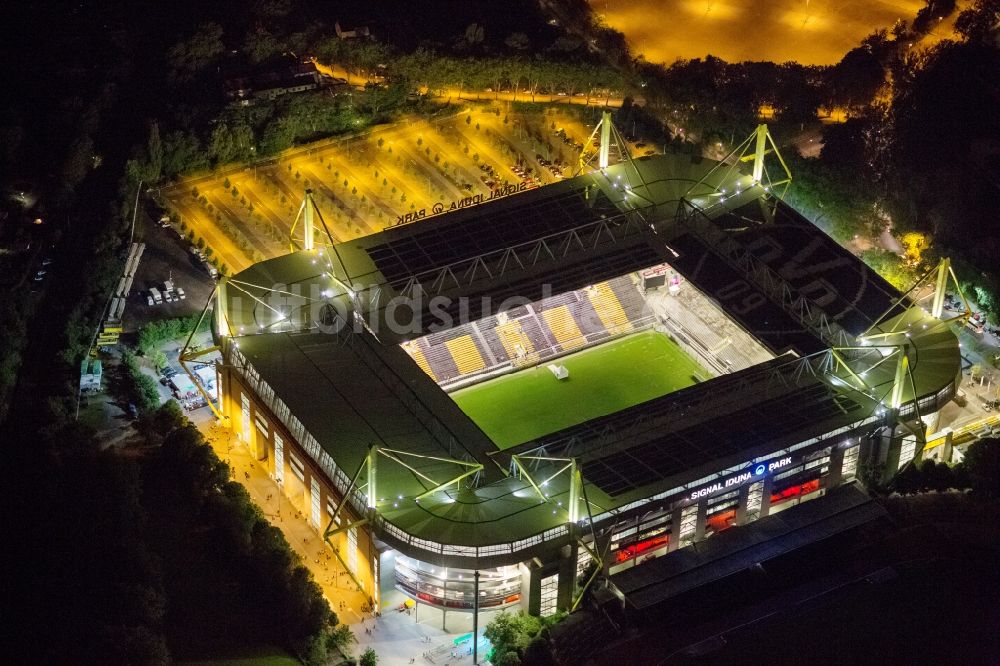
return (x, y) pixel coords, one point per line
(166, 256)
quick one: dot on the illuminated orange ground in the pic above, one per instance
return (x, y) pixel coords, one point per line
(812, 32)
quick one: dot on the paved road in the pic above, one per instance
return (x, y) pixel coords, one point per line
(283, 514)
(581, 99)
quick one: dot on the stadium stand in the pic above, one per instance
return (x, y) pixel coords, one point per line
(589, 321)
(531, 333)
(513, 339)
(564, 329)
(442, 365)
(466, 355)
(608, 308)
(629, 298)
(418, 356)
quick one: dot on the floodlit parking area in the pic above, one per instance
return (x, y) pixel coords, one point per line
(365, 183)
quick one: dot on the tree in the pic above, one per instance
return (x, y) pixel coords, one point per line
(140, 388)
(474, 34)
(260, 45)
(539, 652)
(929, 14)
(982, 463)
(507, 659)
(980, 21)
(891, 267)
(942, 192)
(508, 633)
(937, 476)
(908, 481)
(340, 637)
(518, 41)
(192, 56)
(159, 359)
(231, 142)
(856, 78)
(368, 658)
(154, 153)
(182, 153)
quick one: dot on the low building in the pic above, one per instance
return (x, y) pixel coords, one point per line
(271, 84)
(358, 31)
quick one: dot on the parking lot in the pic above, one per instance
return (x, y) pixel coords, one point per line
(365, 183)
(166, 257)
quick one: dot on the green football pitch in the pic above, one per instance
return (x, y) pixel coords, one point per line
(608, 378)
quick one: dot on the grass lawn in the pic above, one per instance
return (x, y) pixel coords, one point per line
(604, 379)
(250, 656)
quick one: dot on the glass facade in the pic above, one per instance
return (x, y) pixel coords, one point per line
(245, 417)
(549, 596)
(316, 502)
(850, 468)
(689, 524)
(755, 500)
(907, 450)
(352, 549)
(452, 588)
(279, 459)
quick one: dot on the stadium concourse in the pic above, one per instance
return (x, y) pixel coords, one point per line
(484, 403)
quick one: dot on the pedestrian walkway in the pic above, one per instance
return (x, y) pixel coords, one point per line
(338, 588)
(396, 636)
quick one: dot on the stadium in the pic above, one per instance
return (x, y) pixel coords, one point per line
(478, 407)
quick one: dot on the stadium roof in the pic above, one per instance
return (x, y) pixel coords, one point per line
(316, 326)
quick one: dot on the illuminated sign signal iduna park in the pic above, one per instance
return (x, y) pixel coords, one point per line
(738, 479)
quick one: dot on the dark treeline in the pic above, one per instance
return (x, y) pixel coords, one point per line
(151, 558)
(979, 471)
(185, 140)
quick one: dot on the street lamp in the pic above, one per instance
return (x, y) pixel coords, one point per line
(135, 210)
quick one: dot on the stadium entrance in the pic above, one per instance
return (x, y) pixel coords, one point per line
(454, 589)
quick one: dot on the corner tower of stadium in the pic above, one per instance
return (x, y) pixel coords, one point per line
(599, 371)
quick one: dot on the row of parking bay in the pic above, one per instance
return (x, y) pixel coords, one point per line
(409, 168)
